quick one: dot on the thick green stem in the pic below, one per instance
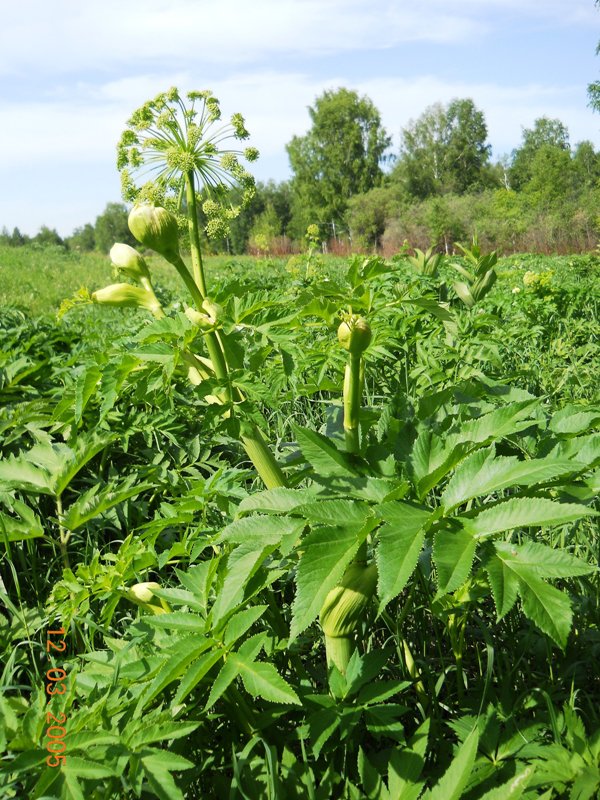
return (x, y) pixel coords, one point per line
(261, 456)
(197, 265)
(252, 439)
(352, 398)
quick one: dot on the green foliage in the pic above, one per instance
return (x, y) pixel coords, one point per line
(339, 157)
(444, 151)
(547, 135)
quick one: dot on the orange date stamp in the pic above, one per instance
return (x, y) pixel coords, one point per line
(56, 684)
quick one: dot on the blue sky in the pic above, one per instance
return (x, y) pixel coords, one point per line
(71, 73)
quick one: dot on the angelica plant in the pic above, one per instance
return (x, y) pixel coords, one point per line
(175, 156)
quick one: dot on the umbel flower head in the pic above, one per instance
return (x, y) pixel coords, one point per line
(168, 142)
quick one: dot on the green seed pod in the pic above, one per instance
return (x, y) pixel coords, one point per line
(354, 334)
(129, 261)
(156, 228)
(127, 296)
(344, 605)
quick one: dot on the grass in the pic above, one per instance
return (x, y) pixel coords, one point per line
(37, 279)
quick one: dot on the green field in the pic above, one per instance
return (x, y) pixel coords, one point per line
(412, 608)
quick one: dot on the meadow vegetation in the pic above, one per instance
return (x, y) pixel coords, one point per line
(310, 527)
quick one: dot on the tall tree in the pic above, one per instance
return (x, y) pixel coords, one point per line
(444, 150)
(546, 133)
(111, 226)
(341, 156)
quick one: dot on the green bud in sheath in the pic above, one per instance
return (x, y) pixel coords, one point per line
(142, 595)
(156, 228)
(354, 334)
(127, 296)
(129, 261)
(344, 605)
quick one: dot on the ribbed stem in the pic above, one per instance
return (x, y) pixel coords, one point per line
(197, 265)
(252, 439)
(352, 398)
(261, 456)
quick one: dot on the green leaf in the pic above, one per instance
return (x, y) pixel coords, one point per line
(177, 621)
(369, 776)
(504, 584)
(276, 501)
(160, 779)
(573, 420)
(242, 565)
(322, 725)
(85, 768)
(322, 454)
(406, 765)
(227, 674)
(513, 788)
(542, 560)
(95, 502)
(17, 529)
(454, 780)
(262, 680)
(172, 668)
(501, 422)
(71, 788)
(399, 546)
(453, 553)
(86, 447)
(336, 512)
(483, 473)
(241, 622)
(326, 553)
(523, 512)
(546, 606)
(84, 389)
(261, 530)
(195, 673)
(160, 732)
(18, 473)
(432, 458)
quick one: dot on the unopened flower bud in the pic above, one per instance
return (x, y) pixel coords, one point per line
(127, 296)
(156, 228)
(142, 594)
(344, 605)
(129, 261)
(199, 319)
(354, 334)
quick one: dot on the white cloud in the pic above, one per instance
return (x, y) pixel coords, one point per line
(86, 129)
(69, 37)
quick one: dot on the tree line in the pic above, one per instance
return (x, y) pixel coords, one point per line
(441, 187)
